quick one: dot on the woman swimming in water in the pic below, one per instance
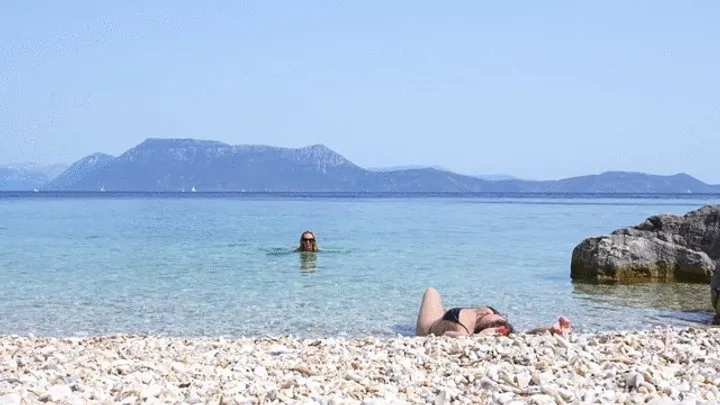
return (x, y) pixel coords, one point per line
(308, 242)
(433, 319)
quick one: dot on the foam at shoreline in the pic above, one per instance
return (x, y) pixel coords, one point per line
(659, 366)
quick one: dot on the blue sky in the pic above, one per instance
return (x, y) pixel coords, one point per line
(532, 89)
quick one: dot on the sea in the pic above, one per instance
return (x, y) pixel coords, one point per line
(224, 265)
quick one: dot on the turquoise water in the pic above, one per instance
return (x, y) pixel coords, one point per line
(224, 265)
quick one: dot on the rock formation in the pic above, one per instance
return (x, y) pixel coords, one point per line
(663, 248)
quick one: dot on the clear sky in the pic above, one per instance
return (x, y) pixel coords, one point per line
(534, 89)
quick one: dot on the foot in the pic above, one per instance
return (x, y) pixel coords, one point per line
(562, 327)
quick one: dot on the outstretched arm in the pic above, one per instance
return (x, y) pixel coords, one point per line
(454, 333)
(542, 329)
(560, 328)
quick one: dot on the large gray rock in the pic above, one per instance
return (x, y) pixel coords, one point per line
(664, 247)
(630, 258)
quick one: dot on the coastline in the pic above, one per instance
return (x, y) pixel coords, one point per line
(660, 366)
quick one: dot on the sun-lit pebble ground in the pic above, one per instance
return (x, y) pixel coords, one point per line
(656, 367)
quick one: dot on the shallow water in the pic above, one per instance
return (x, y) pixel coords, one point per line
(224, 264)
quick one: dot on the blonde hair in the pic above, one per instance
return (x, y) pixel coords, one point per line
(314, 247)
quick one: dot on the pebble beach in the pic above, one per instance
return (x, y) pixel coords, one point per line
(660, 366)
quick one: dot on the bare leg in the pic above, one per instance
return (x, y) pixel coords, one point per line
(431, 310)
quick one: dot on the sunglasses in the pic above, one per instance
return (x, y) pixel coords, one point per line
(308, 239)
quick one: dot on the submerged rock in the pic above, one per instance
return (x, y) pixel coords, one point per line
(663, 248)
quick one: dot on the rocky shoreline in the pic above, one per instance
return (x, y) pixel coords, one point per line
(662, 366)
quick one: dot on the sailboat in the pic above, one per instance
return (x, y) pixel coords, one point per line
(102, 189)
(193, 189)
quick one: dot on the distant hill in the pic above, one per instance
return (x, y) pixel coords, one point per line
(18, 179)
(496, 177)
(187, 164)
(27, 176)
(489, 177)
(88, 166)
(181, 164)
(615, 182)
(50, 171)
(405, 167)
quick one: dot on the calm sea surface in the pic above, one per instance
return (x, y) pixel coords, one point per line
(223, 264)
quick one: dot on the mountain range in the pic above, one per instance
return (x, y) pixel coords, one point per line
(492, 177)
(28, 176)
(171, 165)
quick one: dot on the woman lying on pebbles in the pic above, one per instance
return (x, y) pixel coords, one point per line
(433, 319)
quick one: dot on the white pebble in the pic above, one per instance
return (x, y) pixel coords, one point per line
(661, 401)
(634, 380)
(57, 393)
(278, 350)
(12, 398)
(261, 372)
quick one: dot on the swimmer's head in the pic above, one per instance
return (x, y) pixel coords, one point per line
(308, 242)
